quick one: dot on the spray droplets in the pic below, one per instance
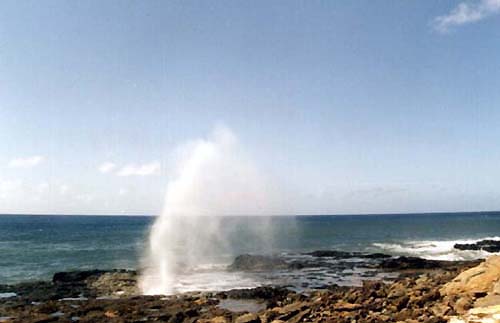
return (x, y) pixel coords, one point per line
(213, 178)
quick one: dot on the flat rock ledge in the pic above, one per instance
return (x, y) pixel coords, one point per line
(424, 294)
(476, 292)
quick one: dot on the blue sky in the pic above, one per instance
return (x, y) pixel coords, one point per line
(351, 106)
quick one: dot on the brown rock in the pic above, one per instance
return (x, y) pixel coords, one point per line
(111, 314)
(218, 319)
(290, 310)
(344, 306)
(463, 304)
(397, 290)
(248, 318)
(401, 302)
(476, 281)
(43, 318)
(439, 309)
(298, 318)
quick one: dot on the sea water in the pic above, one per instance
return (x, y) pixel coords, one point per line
(34, 247)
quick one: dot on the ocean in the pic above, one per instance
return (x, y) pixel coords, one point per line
(34, 247)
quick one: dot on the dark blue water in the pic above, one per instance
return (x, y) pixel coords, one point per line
(34, 247)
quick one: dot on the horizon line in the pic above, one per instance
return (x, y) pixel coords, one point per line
(264, 215)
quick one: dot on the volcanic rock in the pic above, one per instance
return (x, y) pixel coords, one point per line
(345, 255)
(262, 293)
(403, 263)
(257, 263)
(486, 245)
(412, 297)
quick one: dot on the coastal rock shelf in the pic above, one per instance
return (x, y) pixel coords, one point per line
(484, 245)
(423, 292)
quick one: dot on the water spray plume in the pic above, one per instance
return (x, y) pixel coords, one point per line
(213, 177)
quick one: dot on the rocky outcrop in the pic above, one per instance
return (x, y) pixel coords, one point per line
(78, 284)
(478, 286)
(486, 245)
(434, 293)
(73, 277)
(260, 293)
(117, 283)
(415, 263)
(249, 262)
(489, 314)
(257, 263)
(346, 255)
(403, 263)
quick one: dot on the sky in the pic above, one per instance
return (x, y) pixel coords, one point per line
(348, 106)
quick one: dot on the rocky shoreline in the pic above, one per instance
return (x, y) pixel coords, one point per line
(424, 291)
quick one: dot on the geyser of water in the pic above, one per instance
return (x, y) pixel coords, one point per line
(213, 178)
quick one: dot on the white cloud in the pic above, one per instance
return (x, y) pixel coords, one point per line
(8, 188)
(42, 187)
(86, 198)
(63, 189)
(106, 167)
(465, 13)
(140, 170)
(26, 162)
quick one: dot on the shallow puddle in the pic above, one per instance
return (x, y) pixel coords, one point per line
(241, 305)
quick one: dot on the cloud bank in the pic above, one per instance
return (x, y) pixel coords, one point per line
(106, 167)
(147, 169)
(465, 13)
(140, 170)
(26, 162)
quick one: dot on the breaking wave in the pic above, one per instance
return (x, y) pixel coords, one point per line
(435, 249)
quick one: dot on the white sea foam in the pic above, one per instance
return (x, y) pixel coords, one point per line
(7, 295)
(435, 249)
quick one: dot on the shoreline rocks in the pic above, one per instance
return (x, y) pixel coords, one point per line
(346, 255)
(478, 286)
(78, 284)
(415, 263)
(426, 291)
(486, 245)
(249, 262)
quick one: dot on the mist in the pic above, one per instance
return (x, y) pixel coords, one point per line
(212, 178)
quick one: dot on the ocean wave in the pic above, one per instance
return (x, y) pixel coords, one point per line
(434, 249)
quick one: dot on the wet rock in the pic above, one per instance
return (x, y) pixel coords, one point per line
(257, 263)
(403, 263)
(74, 276)
(345, 255)
(331, 254)
(117, 283)
(242, 305)
(262, 293)
(486, 245)
(376, 255)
